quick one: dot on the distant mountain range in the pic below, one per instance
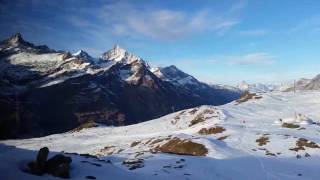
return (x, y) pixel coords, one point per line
(304, 84)
(300, 85)
(45, 91)
(257, 87)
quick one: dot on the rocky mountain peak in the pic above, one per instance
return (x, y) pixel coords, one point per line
(80, 52)
(317, 77)
(83, 55)
(17, 43)
(173, 67)
(119, 54)
(118, 51)
(173, 71)
(173, 74)
(117, 47)
(16, 38)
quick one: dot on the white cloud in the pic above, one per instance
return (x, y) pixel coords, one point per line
(126, 19)
(252, 59)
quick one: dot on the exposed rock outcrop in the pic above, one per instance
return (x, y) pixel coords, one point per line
(183, 147)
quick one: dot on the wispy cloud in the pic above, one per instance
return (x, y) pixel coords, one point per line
(259, 58)
(309, 25)
(79, 21)
(127, 20)
(237, 6)
(254, 32)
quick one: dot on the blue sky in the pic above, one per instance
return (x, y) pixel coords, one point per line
(215, 41)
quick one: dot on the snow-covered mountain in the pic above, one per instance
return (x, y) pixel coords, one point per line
(118, 54)
(57, 91)
(175, 76)
(242, 140)
(187, 82)
(302, 84)
(314, 83)
(257, 87)
(81, 54)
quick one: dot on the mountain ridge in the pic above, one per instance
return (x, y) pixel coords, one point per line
(58, 91)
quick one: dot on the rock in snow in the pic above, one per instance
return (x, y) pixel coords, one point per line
(57, 166)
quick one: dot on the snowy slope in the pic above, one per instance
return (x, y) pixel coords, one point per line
(232, 154)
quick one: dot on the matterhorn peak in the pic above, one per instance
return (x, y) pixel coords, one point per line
(244, 86)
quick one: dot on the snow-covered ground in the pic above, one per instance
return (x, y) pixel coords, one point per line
(257, 144)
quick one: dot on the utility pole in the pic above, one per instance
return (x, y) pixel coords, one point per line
(294, 87)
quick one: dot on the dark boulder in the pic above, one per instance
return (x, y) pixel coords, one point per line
(42, 158)
(38, 167)
(56, 161)
(58, 165)
(61, 171)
